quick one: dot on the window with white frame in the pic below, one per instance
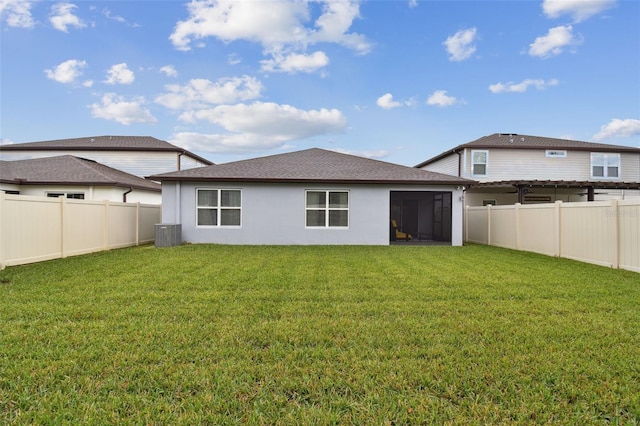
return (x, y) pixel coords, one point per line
(479, 161)
(69, 195)
(606, 166)
(218, 207)
(327, 209)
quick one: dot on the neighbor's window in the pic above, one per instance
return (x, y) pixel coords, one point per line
(605, 165)
(479, 160)
(70, 195)
(219, 207)
(327, 209)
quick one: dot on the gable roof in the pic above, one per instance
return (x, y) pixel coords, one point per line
(516, 141)
(313, 165)
(69, 170)
(103, 143)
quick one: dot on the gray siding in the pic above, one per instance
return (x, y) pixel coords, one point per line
(275, 214)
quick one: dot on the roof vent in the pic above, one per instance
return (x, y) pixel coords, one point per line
(92, 140)
(521, 139)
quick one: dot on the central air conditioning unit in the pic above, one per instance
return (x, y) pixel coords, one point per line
(168, 234)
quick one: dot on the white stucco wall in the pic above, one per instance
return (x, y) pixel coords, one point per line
(96, 193)
(275, 214)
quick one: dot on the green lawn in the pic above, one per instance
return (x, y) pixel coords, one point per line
(202, 334)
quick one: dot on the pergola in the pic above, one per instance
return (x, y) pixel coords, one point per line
(522, 186)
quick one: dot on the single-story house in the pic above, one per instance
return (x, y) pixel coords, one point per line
(138, 155)
(312, 196)
(77, 178)
(511, 168)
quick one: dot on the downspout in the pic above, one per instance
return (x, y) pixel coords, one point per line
(180, 154)
(124, 196)
(459, 163)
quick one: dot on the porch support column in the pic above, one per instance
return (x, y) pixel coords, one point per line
(522, 190)
(590, 193)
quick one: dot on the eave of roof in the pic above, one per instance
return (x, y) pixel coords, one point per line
(515, 141)
(104, 143)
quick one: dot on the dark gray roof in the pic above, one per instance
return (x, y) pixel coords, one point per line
(103, 143)
(313, 165)
(515, 141)
(69, 170)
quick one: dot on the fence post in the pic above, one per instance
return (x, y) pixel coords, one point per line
(138, 223)
(63, 228)
(558, 228)
(488, 224)
(516, 211)
(2, 243)
(107, 246)
(615, 232)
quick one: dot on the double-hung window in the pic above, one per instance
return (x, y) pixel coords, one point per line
(327, 209)
(479, 162)
(219, 207)
(605, 166)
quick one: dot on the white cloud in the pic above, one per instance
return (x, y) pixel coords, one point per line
(386, 101)
(554, 42)
(62, 17)
(295, 62)
(17, 13)
(107, 13)
(333, 25)
(117, 108)
(260, 126)
(460, 45)
(440, 98)
(413, 3)
(120, 74)
(66, 72)
(202, 93)
(169, 71)
(282, 27)
(233, 59)
(618, 128)
(579, 10)
(522, 86)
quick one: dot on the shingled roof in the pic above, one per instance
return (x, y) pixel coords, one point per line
(516, 141)
(69, 170)
(313, 165)
(103, 143)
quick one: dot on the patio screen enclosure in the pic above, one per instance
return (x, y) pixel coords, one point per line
(426, 215)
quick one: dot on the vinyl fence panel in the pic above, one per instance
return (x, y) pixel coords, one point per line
(34, 229)
(605, 233)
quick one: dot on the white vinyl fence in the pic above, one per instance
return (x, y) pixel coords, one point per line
(33, 229)
(605, 233)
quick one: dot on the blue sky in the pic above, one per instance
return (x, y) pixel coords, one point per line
(398, 80)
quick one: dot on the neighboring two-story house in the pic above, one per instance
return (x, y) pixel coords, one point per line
(512, 168)
(139, 155)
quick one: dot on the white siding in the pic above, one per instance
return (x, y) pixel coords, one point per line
(139, 163)
(447, 165)
(533, 164)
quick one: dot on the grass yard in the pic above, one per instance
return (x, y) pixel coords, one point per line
(201, 334)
